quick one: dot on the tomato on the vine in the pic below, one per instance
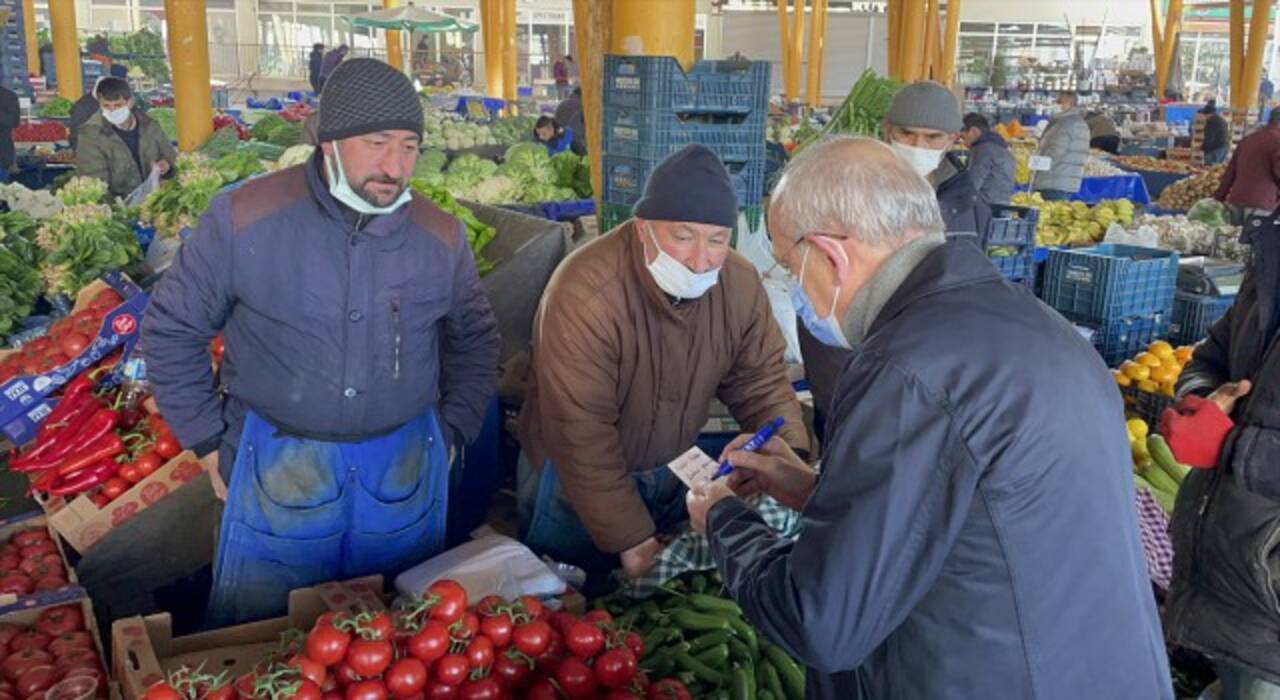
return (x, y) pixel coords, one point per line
(550, 657)
(481, 689)
(451, 601)
(368, 657)
(162, 691)
(576, 679)
(598, 616)
(489, 605)
(615, 667)
(307, 690)
(512, 672)
(542, 690)
(532, 607)
(406, 678)
(431, 643)
(344, 676)
(366, 690)
(563, 620)
(635, 643)
(584, 640)
(380, 626)
(467, 627)
(310, 669)
(452, 669)
(532, 638)
(498, 628)
(480, 653)
(440, 691)
(326, 644)
(669, 689)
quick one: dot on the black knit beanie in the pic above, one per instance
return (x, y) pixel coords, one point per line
(690, 185)
(364, 95)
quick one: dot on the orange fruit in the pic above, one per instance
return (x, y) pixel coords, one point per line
(1148, 386)
(1136, 371)
(1183, 354)
(1146, 358)
(1162, 350)
(1164, 374)
(1121, 378)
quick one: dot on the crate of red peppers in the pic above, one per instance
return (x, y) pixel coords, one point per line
(52, 642)
(98, 462)
(36, 132)
(102, 330)
(437, 646)
(33, 565)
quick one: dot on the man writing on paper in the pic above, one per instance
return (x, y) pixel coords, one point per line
(959, 489)
(637, 333)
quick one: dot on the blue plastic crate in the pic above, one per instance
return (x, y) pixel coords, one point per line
(1012, 226)
(612, 215)
(624, 180)
(1195, 314)
(1109, 282)
(659, 83)
(1016, 268)
(638, 133)
(1120, 340)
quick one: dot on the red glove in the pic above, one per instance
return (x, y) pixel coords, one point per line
(1195, 430)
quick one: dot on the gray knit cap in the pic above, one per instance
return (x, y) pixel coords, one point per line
(364, 95)
(925, 105)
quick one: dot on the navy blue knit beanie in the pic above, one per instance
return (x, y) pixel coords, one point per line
(690, 185)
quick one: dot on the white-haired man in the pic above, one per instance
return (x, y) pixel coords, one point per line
(972, 532)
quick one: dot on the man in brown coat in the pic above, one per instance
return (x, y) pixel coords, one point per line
(119, 144)
(636, 334)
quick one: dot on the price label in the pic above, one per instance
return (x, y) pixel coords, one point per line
(1039, 163)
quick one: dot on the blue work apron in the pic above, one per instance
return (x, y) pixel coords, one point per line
(301, 512)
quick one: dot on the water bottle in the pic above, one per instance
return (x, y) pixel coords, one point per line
(134, 389)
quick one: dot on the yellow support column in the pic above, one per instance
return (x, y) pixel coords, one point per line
(913, 36)
(29, 33)
(66, 49)
(1168, 46)
(654, 28)
(491, 33)
(891, 35)
(948, 73)
(932, 48)
(592, 25)
(1259, 24)
(394, 55)
(1236, 54)
(189, 57)
(1157, 41)
(510, 54)
(797, 52)
(784, 34)
(817, 49)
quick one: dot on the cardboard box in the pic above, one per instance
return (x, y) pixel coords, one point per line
(144, 649)
(24, 400)
(27, 614)
(10, 602)
(83, 523)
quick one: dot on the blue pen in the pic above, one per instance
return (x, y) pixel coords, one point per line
(755, 443)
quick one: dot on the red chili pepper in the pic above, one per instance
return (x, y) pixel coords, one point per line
(89, 426)
(106, 447)
(72, 395)
(85, 479)
(55, 425)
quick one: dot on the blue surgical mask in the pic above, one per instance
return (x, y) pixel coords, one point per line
(826, 329)
(341, 190)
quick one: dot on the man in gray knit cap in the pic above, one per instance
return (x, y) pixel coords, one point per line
(360, 348)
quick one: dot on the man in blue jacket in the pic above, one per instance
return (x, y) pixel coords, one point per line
(360, 348)
(971, 533)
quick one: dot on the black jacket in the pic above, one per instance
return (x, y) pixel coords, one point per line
(313, 66)
(972, 533)
(1216, 133)
(83, 109)
(1225, 596)
(10, 116)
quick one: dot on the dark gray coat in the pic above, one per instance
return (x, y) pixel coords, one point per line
(1226, 523)
(973, 533)
(333, 331)
(992, 168)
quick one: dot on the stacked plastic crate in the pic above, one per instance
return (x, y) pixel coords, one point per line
(13, 49)
(653, 108)
(1123, 294)
(1011, 242)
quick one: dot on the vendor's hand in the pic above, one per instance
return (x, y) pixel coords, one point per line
(701, 498)
(1227, 394)
(163, 166)
(775, 471)
(639, 559)
(210, 464)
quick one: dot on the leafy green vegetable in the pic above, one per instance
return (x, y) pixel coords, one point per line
(180, 201)
(80, 243)
(143, 50)
(237, 166)
(57, 107)
(286, 134)
(295, 155)
(223, 142)
(479, 234)
(19, 274)
(429, 161)
(82, 190)
(262, 128)
(862, 112)
(167, 118)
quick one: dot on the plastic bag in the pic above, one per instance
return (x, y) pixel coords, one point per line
(1144, 236)
(149, 185)
(489, 565)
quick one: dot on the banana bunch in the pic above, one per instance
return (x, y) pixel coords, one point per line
(1154, 467)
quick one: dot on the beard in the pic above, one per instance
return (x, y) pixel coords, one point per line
(368, 194)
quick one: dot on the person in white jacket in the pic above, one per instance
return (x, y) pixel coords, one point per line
(1066, 144)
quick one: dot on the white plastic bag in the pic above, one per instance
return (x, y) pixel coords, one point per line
(490, 565)
(149, 185)
(1145, 236)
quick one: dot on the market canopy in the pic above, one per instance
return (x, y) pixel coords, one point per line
(410, 18)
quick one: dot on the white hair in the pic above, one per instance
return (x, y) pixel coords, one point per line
(857, 187)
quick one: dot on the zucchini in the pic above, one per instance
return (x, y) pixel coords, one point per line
(738, 651)
(790, 673)
(714, 605)
(742, 685)
(715, 656)
(746, 633)
(772, 682)
(699, 670)
(708, 640)
(692, 621)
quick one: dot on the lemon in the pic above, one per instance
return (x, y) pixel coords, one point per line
(1162, 350)
(1146, 358)
(1167, 388)
(1137, 428)
(1148, 386)
(1121, 378)
(1183, 354)
(1164, 374)
(1137, 372)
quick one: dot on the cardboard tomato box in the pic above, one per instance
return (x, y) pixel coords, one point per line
(24, 400)
(28, 613)
(8, 528)
(83, 523)
(144, 650)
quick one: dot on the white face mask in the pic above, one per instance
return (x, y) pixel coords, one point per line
(921, 160)
(117, 116)
(341, 190)
(674, 278)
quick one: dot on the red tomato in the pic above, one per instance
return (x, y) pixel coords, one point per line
(73, 343)
(40, 564)
(8, 631)
(563, 620)
(488, 605)
(635, 643)
(99, 499)
(367, 690)
(36, 679)
(64, 618)
(622, 694)
(307, 690)
(669, 689)
(584, 640)
(331, 695)
(511, 672)
(17, 584)
(441, 691)
(406, 678)
(532, 606)
(531, 638)
(452, 669)
(26, 538)
(162, 691)
(9, 562)
(431, 643)
(467, 627)
(70, 640)
(369, 658)
(344, 676)
(451, 601)
(542, 690)
(77, 658)
(498, 628)
(616, 667)
(226, 691)
(576, 679)
(550, 658)
(130, 473)
(311, 670)
(35, 549)
(480, 653)
(148, 462)
(596, 616)
(167, 446)
(327, 645)
(381, 626)
(114, 488)
(482, 689)
(30, 639)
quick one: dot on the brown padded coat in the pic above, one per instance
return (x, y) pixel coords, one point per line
(622, 379)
